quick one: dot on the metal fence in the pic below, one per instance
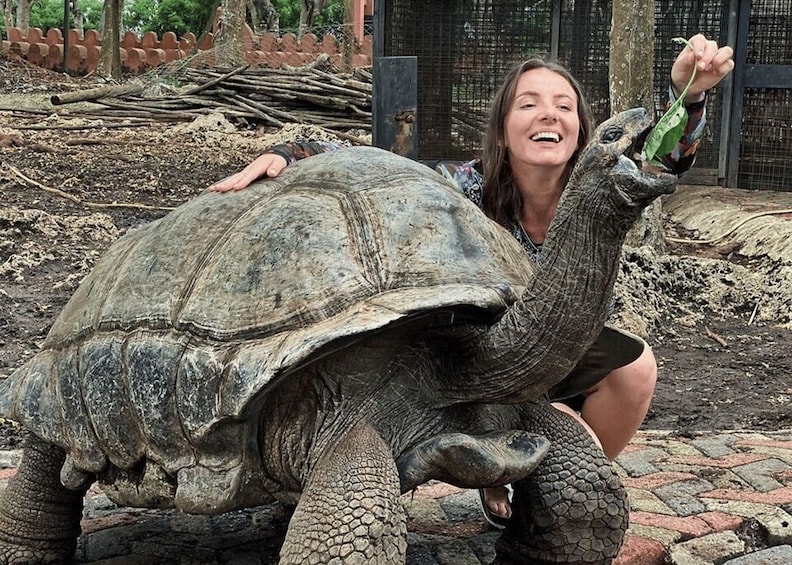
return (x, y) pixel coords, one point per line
(766, 110)
(465, 47)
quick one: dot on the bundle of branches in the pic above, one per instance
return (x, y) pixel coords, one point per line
(273, 97)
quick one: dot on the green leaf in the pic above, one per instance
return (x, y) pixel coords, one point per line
(671, 126)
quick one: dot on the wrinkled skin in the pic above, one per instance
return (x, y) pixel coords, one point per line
(214, 360)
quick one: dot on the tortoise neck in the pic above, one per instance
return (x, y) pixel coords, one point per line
(562, 310)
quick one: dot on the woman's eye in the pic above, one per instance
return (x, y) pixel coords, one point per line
(611, 134)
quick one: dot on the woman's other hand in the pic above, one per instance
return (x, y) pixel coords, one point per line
(265, 165)
(712, 63)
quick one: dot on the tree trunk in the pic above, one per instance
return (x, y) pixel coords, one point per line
(631, 72)
(78, 21)
(309, 9)
(23, 15)
(228, 42)
(631, 54)
(207, 28)
(268, 15)
(263, 14)
(109, 64)
(255, 17)
(306, 16)
(8, 13)
(350, 41)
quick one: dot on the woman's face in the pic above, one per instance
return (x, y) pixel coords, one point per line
(542, 125)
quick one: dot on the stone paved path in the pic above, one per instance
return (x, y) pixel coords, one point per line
(715, 498)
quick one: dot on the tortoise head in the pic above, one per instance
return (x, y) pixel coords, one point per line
(613, 161)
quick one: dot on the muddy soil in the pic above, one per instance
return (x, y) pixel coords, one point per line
(71, 183)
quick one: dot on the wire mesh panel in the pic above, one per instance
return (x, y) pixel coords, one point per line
(465, 47)
(766, 137)
(766, 141)
(685, 18)
(584, 48)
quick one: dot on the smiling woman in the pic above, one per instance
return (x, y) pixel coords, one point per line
(538, 99)
(542, 125)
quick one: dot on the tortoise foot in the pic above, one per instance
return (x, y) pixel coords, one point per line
(16, 554)
(573, 508)
(39, 517)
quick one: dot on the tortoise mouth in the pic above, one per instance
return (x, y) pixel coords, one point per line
(636, 150)
(643, 181)
(637, 147)
(640, 183)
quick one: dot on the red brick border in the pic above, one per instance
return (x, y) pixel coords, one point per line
(140, 54)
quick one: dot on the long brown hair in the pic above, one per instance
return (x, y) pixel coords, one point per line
(501, 200)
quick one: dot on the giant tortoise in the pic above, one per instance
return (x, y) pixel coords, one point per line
(333, 338)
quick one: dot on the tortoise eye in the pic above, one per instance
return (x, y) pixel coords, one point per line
(611, 134)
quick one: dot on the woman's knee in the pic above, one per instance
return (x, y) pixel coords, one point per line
(634, 382)
(646, 371)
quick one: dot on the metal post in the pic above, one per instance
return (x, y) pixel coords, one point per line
(738, 86)
(555, 28)
(394, 105)
(379, 40)
(727, 104)
(66, 26)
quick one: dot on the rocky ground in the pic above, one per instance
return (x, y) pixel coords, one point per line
(72, 182)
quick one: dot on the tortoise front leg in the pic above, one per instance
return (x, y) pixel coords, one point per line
(39, 517)
(573, 508)
(349, 510)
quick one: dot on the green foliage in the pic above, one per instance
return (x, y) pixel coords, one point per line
(48, 14)
(92, 12)
(332, 14)
(159, 16)
(288, 13)
(671, 126)
(139, 14)
(179, 16)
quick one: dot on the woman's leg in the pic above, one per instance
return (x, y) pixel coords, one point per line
(616, 406)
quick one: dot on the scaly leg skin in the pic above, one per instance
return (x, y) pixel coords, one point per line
(573, 509)
(39, 517)
(349, 511)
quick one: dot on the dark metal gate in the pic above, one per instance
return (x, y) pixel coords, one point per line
(760, 132)
(464, 47)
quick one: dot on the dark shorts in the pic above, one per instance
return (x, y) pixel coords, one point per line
(614, 348)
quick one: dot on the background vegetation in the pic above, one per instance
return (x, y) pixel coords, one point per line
(179, 16)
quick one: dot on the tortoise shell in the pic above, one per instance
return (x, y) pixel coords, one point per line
(167, 350)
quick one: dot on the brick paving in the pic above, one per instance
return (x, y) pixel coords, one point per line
(712, 498)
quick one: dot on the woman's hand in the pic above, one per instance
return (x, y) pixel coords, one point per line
(265, 165)
(712, 63)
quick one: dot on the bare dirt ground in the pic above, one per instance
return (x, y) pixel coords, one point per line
(71, 184)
